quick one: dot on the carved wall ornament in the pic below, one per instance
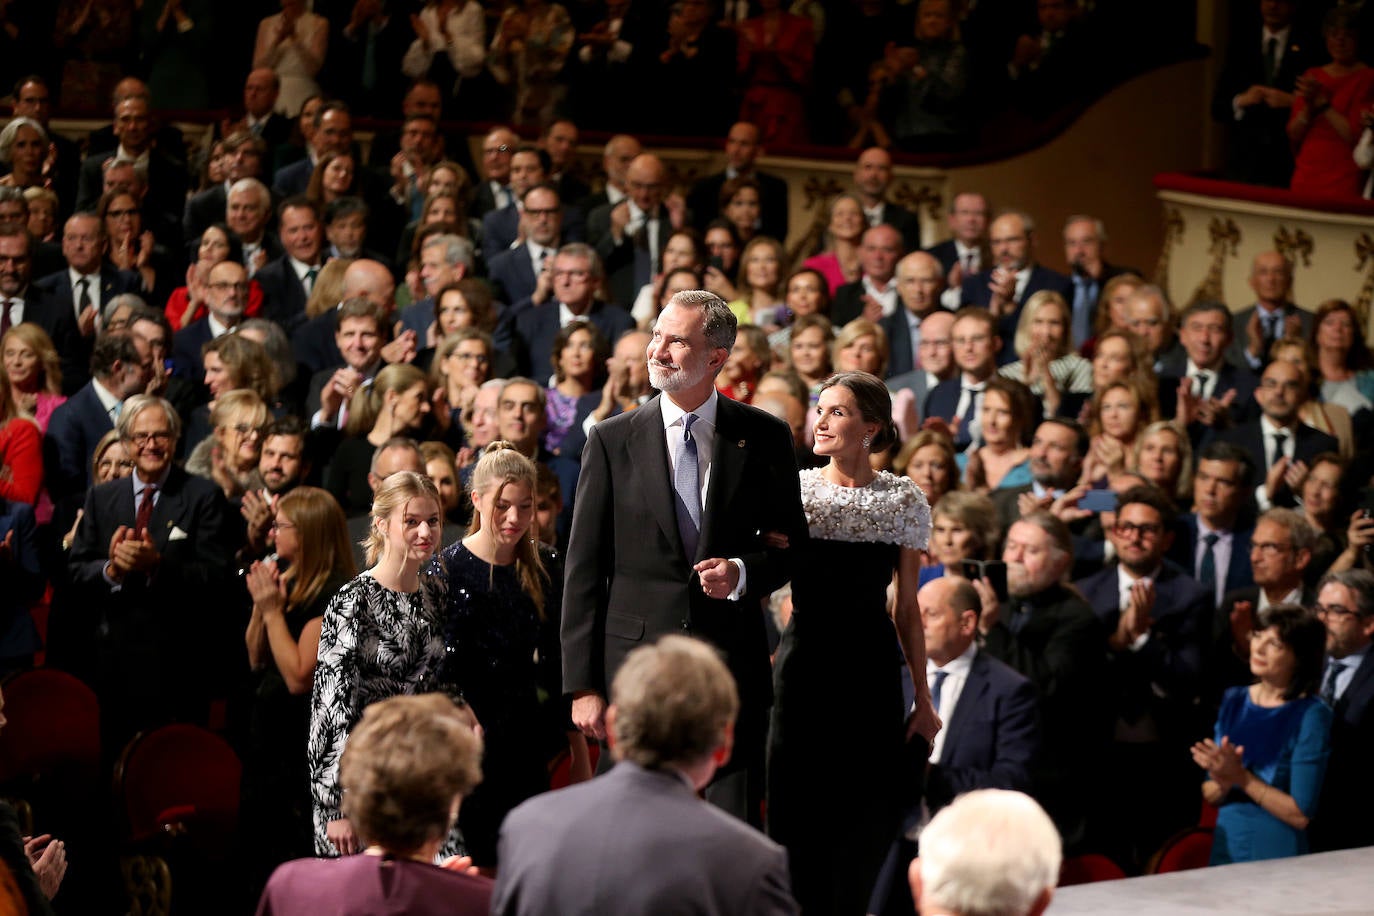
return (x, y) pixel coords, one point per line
(1225, 236)
(1293, 245)
(1174, 227)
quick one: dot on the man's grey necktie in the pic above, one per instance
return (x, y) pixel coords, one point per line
(687, 484)
(1329, 688)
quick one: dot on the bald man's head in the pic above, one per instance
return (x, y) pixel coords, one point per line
(372, 281)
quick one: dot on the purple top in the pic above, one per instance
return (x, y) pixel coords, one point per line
(367, 885)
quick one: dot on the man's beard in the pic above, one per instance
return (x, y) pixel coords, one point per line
(669, 380)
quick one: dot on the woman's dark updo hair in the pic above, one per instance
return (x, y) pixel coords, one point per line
(1306, 636)
(875, 404)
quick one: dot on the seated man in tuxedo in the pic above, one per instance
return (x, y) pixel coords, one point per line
(1085, 241)
(1272, 317)
(670, 727)
(444, 259)
(1048, 633)
(152, 553)
(1280, 550)
(515, 273)
(874, 294)
(1013, 278)
(1217, 394)
(742, 149)
(226, 299)
(872, 179)
(527, 331)
(1157, 619)
(966, 251)
(1345, 811)
(286, 282)
(629, 236)
(1213, 540)
(919, 282)
(1283, 443)
(246, 157)
(959, 401)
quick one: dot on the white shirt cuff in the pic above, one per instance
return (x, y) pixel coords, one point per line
(738, 593)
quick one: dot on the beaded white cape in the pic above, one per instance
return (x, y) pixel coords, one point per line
(890, 510)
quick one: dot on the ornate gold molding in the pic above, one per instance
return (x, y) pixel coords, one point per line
(1293, 245)
(1174, 227)
(1225, 236)
(1364, 254)
(922, 195)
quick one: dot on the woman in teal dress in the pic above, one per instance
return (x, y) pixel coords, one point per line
(1265, 765)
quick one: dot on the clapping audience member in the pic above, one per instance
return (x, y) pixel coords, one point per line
(527, 54)
(450, 46)
(1327, 104)
(1267, 757)
(403, 776)
(1330, 418)
(311, 561)
(1318, 500)
(462, 363)
(1057, 376)
(1199, 386)
(229, 455)
(293, 44)
(926, 82)
(874, 294)
(33, 371)
(1118, 414)
(380, 637)
(1164, 457)
(395, 404)
(838, 260)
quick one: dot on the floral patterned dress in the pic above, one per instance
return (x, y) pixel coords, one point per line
(836, 751)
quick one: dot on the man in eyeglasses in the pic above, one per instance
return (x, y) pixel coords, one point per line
(151, 552)
(1157, 618)
(226, 299)
(1345, 812)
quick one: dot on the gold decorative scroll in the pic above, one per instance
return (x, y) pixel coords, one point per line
(922, 196)
(1173, 235)
(1364, 254)
(1225, 237)
(1293, 245)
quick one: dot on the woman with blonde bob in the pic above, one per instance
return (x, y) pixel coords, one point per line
(381, 637)
(1047, 365)
(502, 594)
(291, 590)
(34, 371)
(229, 456)
(408, 766)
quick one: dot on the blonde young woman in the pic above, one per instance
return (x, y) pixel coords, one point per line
(380, 637)
(501, 593)
(34, 371)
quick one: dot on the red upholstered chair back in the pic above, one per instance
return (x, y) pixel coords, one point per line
(1188, 849)
(53, 727)
(180, 780)
(1087, 869)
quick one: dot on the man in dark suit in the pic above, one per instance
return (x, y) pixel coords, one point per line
(83, 289)
(166, 136)
(1157, 618)
(529, 166)
(919, 282)
(226, 299)
(528, 331)
(937, 365)
(423, 99)
(1085, 241)
(874, 294)
(1345, 813)
(559, 140)
(333, 136)
(630, 235)
(1014, 278)
(616, 156)
(248, 211)
(1254, 93)
(975, 342)
(286, 282)
(150, 551)
(742, 149)
(1280, 550)
(1283, 443)
(33, 99)
(512, 272)
(1057, 451)
(1218, 393)
(645, 560)
(1213, 540)
(493, 191)
(77, 425)
(444, 259)
(1272, 317)
(965, 253)
(246, 157)
(872, 178)
(366, 45)
(260, 118)
(166, 176)
(669, 728)
(22, 301)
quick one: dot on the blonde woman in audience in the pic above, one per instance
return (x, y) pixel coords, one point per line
(34, 371)
(1120, 412)
(396, 404)
(861, 346)
(1164, 457)
(1058, 377)
(761, 283)
(229, 456)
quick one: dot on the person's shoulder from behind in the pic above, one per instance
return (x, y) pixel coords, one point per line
(344, 886)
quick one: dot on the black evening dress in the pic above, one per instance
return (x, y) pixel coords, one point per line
(837, 783)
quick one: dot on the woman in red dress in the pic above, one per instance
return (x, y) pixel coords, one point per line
(1326, 111)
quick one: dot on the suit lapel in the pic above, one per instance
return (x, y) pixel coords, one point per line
(649, 468)
(975, 685)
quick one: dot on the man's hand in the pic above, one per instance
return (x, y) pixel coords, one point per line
(137, 554)
(1242, 623)
(1254, 336)
(340, 388)
(1252, 96)
(85, 322)
(1275, 479)
(1002, 286)
(873, 309)
(1138, 617)
(718, 576)
(1028, 502)
(589, 714)
(49, 860)
(992, 608)
(620, 218)
(1216, 411)
(401, 350)
(258, 512)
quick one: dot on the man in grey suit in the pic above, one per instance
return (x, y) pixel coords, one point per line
(659, 848)
(1271, 318)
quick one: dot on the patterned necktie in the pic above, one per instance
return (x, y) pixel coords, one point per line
(1329, 686)
(687, 484)
(145, 511)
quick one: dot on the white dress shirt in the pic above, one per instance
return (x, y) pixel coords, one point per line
(957, 671)
(886, 295)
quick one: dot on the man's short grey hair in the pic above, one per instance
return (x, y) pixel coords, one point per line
(720, 323)
(1361, 584)
(1300, 532)
(397, 442)
(1156, 292)
(140, 171)
(587, 253)
(1027, 220)
(11, 133)
(10, 195)
(1099, 227)
(118, 302)
(255, 186)
(457, 250)
(991, 852)
(136, 404)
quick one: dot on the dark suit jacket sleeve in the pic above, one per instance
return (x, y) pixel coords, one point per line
(586, 571)
(769, 568)
(1015, 738)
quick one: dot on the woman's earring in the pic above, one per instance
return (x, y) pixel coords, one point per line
(868, 440)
